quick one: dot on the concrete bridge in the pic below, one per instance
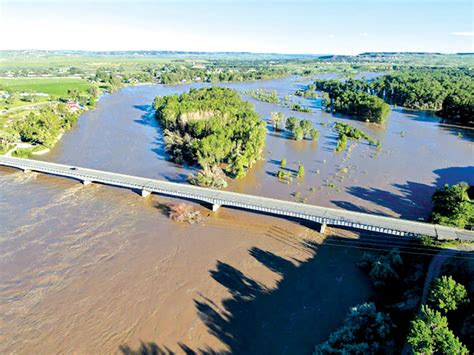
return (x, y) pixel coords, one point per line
(322, 215)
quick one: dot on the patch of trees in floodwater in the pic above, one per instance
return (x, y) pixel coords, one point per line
(448, 91)
(211, 127)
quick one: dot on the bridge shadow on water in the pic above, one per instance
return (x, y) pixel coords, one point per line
(309, 301)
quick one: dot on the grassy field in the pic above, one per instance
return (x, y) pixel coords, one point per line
(50, 86)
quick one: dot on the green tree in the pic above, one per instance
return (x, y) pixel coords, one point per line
(306, 125)
(314, 133)
(300, 173)
(429, 333)
(8, 137)
(452, 206)
(283, 163)
(93, 91)
(341, 143)
(298, 133)
(277, 119)
(291, 123)
(384, 270)
(446, 294)
(73, 94)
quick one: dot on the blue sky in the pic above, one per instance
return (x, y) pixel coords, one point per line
(298, 26)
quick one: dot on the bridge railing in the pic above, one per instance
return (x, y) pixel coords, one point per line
(323, 215)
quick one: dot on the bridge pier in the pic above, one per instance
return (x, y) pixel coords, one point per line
(321, 216)
(145, 193)
(322, 227)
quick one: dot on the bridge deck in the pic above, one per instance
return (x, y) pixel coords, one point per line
(314, 213)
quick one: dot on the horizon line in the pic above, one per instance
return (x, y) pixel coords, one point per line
(231, 52)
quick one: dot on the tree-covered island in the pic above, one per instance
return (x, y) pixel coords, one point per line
(214, 128)
(448, 92)
(350, 98)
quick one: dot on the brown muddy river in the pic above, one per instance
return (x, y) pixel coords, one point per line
(87, 269)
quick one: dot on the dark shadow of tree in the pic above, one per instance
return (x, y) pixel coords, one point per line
(413, 199)
(307, 303)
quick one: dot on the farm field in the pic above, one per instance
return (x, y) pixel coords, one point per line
(57, 86)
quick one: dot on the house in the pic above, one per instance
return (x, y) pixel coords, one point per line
(73, 106)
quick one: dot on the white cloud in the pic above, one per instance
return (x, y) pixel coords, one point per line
(363, 34)
(463, 34)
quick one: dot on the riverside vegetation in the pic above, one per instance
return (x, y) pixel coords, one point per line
(383, 325)
(445, 324)
(449, 92)
(42, 128)
(214, 128)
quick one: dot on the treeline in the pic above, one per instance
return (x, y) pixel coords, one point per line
(349, 98)
(216, 73)
(424, 89)
(448, 91)
(214, 128)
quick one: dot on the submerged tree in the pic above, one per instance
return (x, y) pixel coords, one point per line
(277, 119)
(300, 173)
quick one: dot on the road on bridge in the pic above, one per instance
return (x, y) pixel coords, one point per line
(323, 215)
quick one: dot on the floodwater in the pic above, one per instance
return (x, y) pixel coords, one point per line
(93, 268)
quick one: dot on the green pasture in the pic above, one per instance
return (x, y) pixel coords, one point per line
(50, 86)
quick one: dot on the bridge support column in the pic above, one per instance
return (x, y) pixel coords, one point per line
(322, 228)
(215, 207)
(86, 182)
(145, 193)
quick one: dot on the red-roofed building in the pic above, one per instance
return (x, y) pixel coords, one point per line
(73, 106)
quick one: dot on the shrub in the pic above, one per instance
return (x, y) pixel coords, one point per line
(182, 212)
(209, 177)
